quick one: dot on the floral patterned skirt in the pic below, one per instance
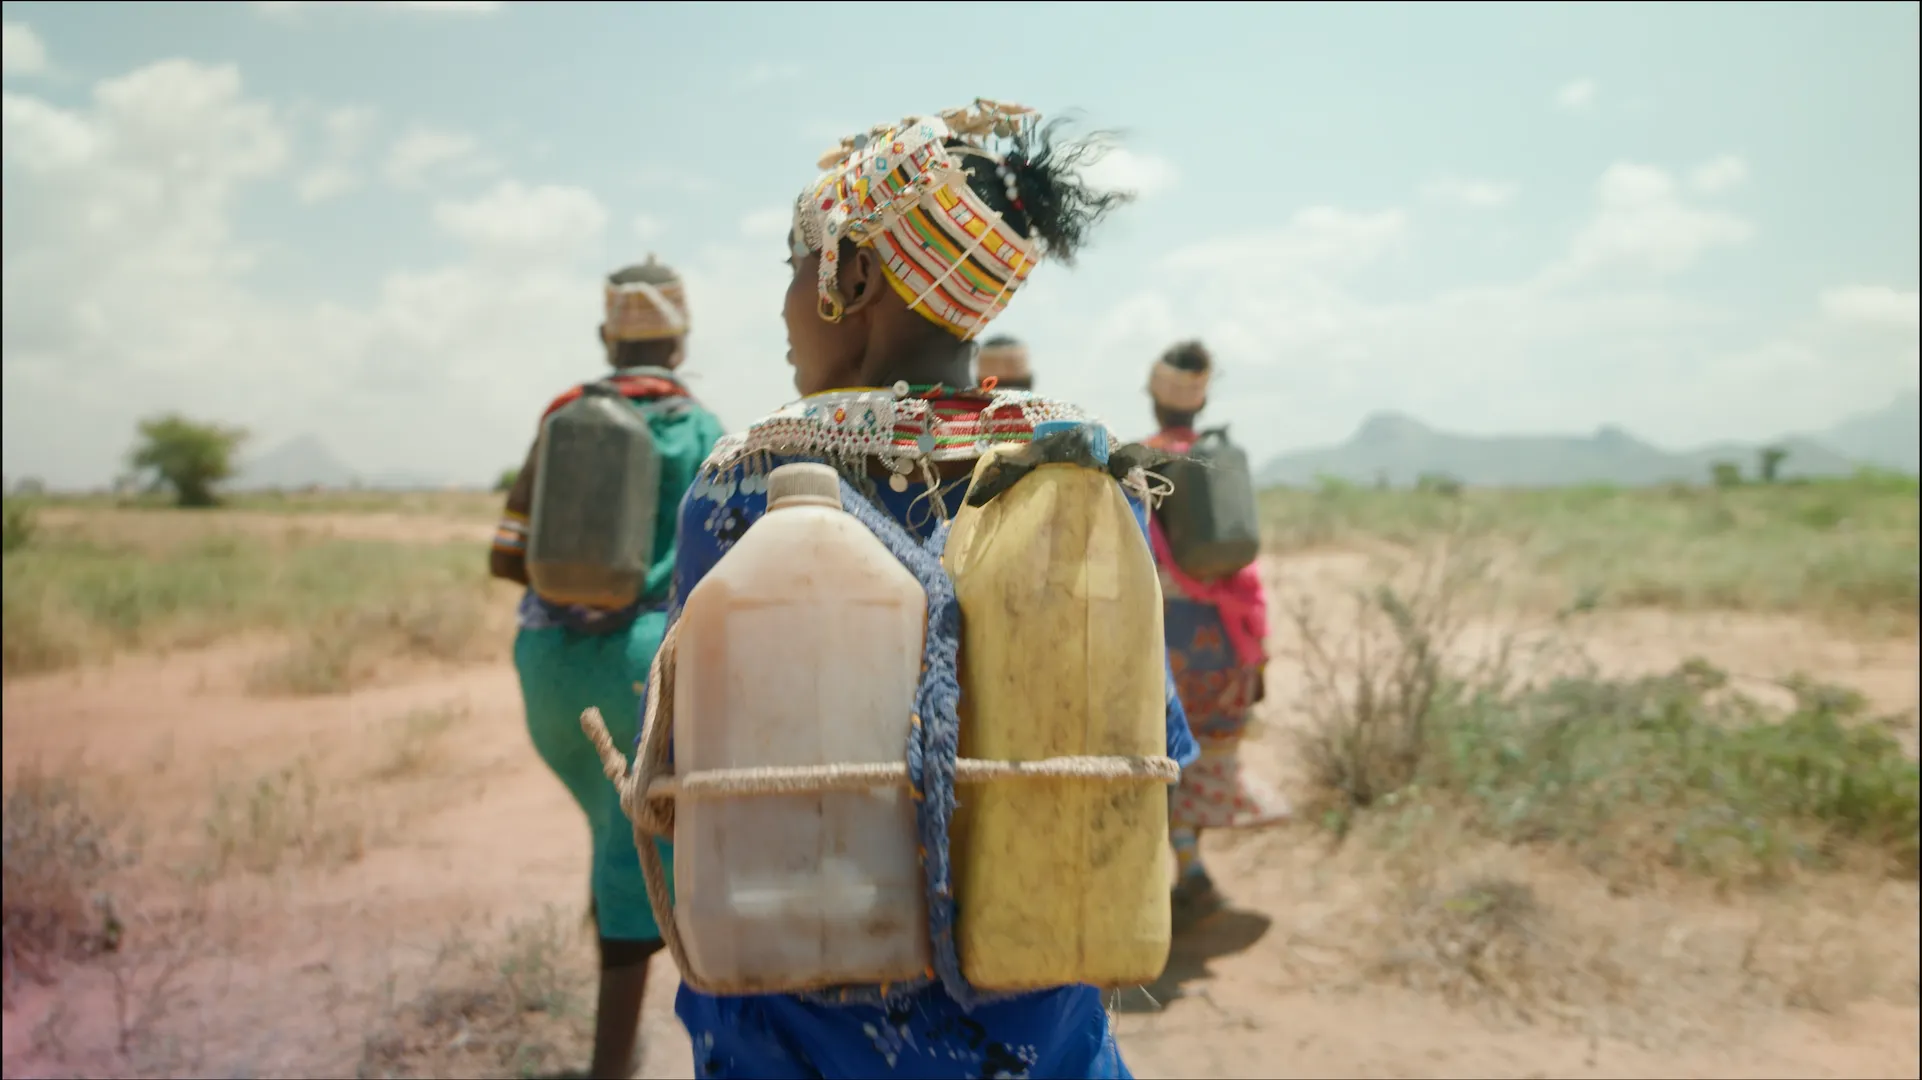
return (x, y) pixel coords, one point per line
(1215, 793)
(1219, 695)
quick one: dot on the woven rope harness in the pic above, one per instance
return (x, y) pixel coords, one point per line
(931, 771)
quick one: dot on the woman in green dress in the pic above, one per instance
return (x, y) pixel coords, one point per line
(570, 657)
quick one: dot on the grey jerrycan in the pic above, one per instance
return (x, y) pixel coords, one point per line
(1212, 525)
(596, 496)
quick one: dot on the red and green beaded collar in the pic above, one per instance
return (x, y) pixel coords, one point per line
(902, 427)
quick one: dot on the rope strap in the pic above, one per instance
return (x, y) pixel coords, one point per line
(932, 768)
(819, 779)
(652, 813)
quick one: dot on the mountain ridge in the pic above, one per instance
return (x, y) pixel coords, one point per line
(1400, 449)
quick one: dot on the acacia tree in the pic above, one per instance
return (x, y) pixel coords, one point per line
(185, 455)
(1771, 458)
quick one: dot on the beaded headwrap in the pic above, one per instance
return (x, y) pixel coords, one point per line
(647, 311)
(1175, 388)
(900, 188)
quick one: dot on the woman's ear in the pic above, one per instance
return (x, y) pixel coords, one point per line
(860, 279)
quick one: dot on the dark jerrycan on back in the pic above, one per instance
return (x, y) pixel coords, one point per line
(596, 495)
(1210, 518)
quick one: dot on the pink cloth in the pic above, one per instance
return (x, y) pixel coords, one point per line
(1239, 597)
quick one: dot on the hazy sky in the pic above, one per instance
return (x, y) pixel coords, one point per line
(384, 223)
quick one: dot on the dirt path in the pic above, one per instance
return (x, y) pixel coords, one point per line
(426, 815)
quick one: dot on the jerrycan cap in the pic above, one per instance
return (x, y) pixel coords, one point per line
(1097, 435)
(804, 483)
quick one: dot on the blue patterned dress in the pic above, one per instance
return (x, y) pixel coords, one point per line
(1062, 1032)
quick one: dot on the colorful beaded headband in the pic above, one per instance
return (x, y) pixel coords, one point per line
(902, 189)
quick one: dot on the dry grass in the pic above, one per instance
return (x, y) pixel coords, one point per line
(1844, 551)
(348, 649)
(475, 505)
(91, 588)
(520, 1006)
(1486, 941)
(414, 738)
(1518, 940)
(282, 818)
(129, 1026)
(62, 852)
(1537, 819)
(1532, 747)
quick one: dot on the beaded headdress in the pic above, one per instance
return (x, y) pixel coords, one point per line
(901, 188)
(647, 310)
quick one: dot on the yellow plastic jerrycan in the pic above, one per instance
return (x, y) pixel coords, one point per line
(1059, 881)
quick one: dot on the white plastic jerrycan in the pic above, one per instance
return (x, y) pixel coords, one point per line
(802, 647)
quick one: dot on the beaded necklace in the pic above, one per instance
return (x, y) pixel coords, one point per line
(907, 428)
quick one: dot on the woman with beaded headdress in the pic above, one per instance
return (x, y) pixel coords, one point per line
(916, 237)
(573, 657)
(1216, 633)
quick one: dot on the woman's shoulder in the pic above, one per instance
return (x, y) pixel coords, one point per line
(659, 386)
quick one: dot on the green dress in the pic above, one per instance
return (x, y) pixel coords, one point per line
(563, 670)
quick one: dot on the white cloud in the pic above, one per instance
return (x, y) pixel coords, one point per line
(349, 127)
(769, 224)
(540, 222)
(423, 156)
(1464, 192)
(1719, 175)
(21, 50)
(646, 227)
(44, 138)
(326, 182)
(126, 275)
(1121, 169)
(1576, 95)
(1314, 329)
(1280, 291)
(345, 134)
(1872, 305)
(1642, 223)
(128, 290)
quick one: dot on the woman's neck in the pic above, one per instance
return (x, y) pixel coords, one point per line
(925, 361)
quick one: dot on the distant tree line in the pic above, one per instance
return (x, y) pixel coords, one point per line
(1768, 468)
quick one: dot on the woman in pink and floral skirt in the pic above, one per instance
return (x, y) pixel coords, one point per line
(1216, 634)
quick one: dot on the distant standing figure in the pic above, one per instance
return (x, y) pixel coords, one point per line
(1216, 634)
(572, 657)
(1004, 360)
